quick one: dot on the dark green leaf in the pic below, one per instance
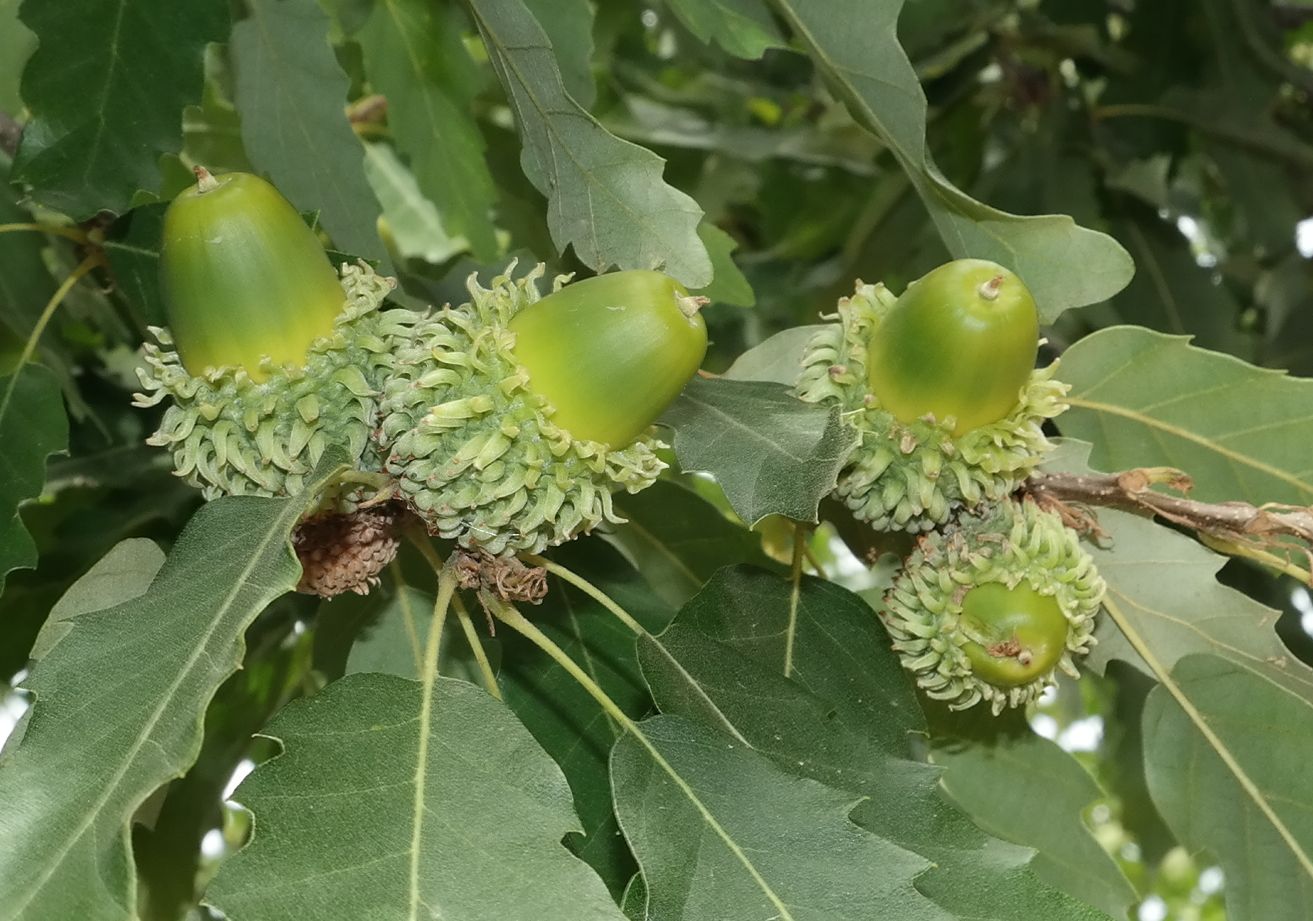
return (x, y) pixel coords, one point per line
(133, 249)
(846, 716)
(605, 196)
(291, 93)
(678, 539)
(106, 87)
(766, 845)
(454, 812)
(116, 733)
(32, 427)
(854, 43)
(564, 719)
(414, 55)
(772, 453)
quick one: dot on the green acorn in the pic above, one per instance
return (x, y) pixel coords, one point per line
(269, 358)
(991, 607)
(942, 388)
(510, 420)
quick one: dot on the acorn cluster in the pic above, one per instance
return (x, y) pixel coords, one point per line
(504, 423)
(941, 384)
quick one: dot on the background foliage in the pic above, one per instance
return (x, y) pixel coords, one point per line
(1140, 162)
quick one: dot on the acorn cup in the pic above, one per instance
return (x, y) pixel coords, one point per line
(269, 357)
(510, 420)
(992, 606)
(941, 385)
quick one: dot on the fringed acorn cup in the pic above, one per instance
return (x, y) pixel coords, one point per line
(991, 607)
(509, 421)
(941, 385)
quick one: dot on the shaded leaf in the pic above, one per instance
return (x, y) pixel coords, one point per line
(124, 573)
(994, 770)
(132, 247)
(1226, 755)
(291, 93)
(116, 733)
(454, 812)
(393, 643)
(605, 196)
(412, 219)
(106, 87)
(32, 427)
(847, 716)
(744, 28)
(855, 44)
(414, 55)
(1148, 399)
(767, 845)
(728, 286)
(677, 539)
(772, 453)
(565, 720)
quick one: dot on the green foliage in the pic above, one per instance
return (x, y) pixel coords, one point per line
(454, 834)
(703, 718)
(101, 118)
(770, 453)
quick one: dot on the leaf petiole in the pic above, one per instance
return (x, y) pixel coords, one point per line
(588, 588)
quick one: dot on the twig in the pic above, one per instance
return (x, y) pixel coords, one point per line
(1238, 527)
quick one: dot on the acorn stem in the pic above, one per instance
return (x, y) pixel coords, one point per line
(989, 290)
(588, 588)
(205, 181)
(690, 304)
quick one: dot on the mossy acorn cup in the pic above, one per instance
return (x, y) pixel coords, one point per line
(989, 608)
(941, 385)
(269, 357)
(512, 418)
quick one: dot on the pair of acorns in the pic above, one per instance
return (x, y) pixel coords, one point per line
(506, 423)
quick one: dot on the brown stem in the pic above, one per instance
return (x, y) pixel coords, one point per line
(1239, 523)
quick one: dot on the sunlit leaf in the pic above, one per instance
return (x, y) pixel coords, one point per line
(1226, 755)
(728, 286)
(412, 219)
(116, 733)
(1147, 399)
(454, 812)
(772, 453)
(605, 196)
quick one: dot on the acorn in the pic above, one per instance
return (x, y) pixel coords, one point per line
(269, 356)
(941, 385)
(510, 420)
(992, 606)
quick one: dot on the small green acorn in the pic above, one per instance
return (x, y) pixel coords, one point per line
(941, 387)
(610, 353)
(958, 344)
(989, 608)
(242, 276)
(511, 419)
(269, 358)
